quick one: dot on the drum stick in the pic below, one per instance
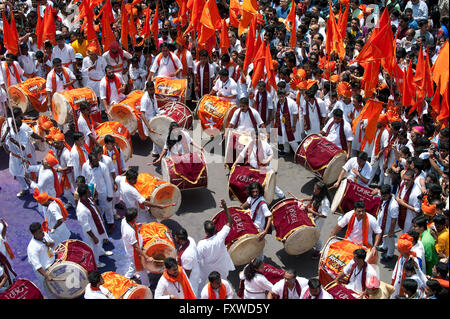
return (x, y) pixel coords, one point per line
(293, 196)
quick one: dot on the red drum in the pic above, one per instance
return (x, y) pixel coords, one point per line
(349, 192)
(339, 291)
(242, 241)
(74, 260)
(294, 227)
(187, 171)
(236, 142)
(242, 176)
(322, 157)
(273, 274)
(171, 112)
(22, 289)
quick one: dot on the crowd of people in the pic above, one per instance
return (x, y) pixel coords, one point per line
(304, 90)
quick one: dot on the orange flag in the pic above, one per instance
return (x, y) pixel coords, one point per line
(132, 26)
(250, 44)
(292, 28)
(209, 21)
(224, 38)
(13, 29)
(408, 88)
(145, 33)
(38, 31)
(249, 9)
(107, 33)
(378, 47)
(269, 67)
(334, 40)
(235, 10)
(370, 77)
(154, 27)
(371, 111)
(124, 26)
(8, 39)
(196, 7)
(443, 114)
(342, 23)
(106, 9)
(440, 70)
(436, 102)
(49, 29)
(258, 65)
(91, 35)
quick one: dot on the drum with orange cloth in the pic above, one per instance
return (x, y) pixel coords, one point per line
(242, 175)
(22, 289)
(339, 291)
(66, 105)
(158, 245)
(121, 134)
(172, 112)
(127, 113)
(123, 288)
(29, 95)
(159, 191)
(169, 90)
(214, 113)
(74, 260)
(294, 227)
(187, 171)
(242, 241)
(349, 192)
(322, 157)
(335, 255)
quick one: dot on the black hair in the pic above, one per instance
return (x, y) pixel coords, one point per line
(130, 214)
(420, 221)
(385, 189)
(109, 139)
(314, 283)
(171, 142)
(34, 227)
(94, 277)
(182, 234)
(170, 262)
(210, 227)
(56, 61)
(360, 204)
(363, 156)
(338, 112)
(409, 266)
(131, 174)
(410, 285)
(439, 219)
(256, 185)
(214, 276)
(80, 179)
(77, 135)
(360, 253)
(250, 269)
(415, 235)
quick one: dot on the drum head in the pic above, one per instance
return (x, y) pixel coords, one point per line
(71, 280)
(269, 187)
(124, 114)
(338, 197)
(334, 168)
(138, 292)
(165, 194)
(301, 240)
(18, 98)
(161, 125)
(158, 250)
(60, 109)
(245, 249)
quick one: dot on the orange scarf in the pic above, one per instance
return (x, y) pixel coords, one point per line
(182, 56)
(56, 183)
(81, 156)
(63, 213)
(8, 250)
(115, 158)
(108, 87)
(182, 279)
(137, 260)
(66, 77)
(222, 292)
(365, 229)
(171, 58)
(8, 76)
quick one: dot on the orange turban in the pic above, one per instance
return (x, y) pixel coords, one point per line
(405, 243)
(427, 209)
(334, 78)
(92, 48)
(51, 159)
(383, 119)
(345, 89)
(41, 198)
(310, 83)
(59, 137)
(301, 73)
(45, 123)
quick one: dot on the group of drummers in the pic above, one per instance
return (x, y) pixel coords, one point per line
(402, 175)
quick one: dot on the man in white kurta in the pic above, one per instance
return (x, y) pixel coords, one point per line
(225, 87)
(62, 83)
(356, 276)
(264, 96)
(45, 182)
(357, 170)
(281, 120)
(77, 153)
(52, 212)
(380, 143)
(413, 204)
(356, 235)
(118, 60)
(165, 65)
(199, 73)
(62, 154)
(317, 111)
(95, 289)
(242, 119)
(388, 206)
(332, 129)
(8, 69)
(171, 290)
(94, 66)
(292, 293)
(115, 94)
(215, 281)
(64, 52)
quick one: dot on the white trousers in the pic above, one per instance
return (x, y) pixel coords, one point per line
(106, 207)
(132, 271)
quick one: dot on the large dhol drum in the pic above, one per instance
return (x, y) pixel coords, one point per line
(74, 260)
(322, 157)
(66, 104)
(339, 291)
(169, 90)
(158, 245)
(242, 241)
(241, 176)
(119, 132)
(29, 95)
(214, 114)
(348, 193)
(124, 288)
(171, 112)
(273, 274)
(22, 289)
(127, 113)
(187, 171)
(294, 227)
(235, 143)
(158, 191)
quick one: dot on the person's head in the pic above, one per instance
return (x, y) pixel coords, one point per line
(414, 236)
(261, 86)
(290, 275)
(359, 256)
(409, 286)
(320, 189)
(37, 231)
(60, 42)
(78, 138)
(420, 223)
(95, 278)
(281, 93)
(409, 268)
(338, 115)
(57, 65)
(85, 108)
(171, 266)
(403, 21)
(244, 104)
(93, 159)
(150, 87)
(439, 222)
(361, 159)
(224, 74)
(80, 180)
(315, 287)
(386, 191)
(408, 178)
(360, 209)
(181, 236)
(131, 176)
(440, 270)
(214, 279)
(203, 56)
(109, 71)
(110, 142)
(433, 288)
(255, 190)
(209, 227)
(253, 267)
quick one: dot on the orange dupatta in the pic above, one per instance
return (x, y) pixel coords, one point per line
(365, 229)
(63, 213)
(66, 77)
(8, 79)
(137, 260)
(116, 157)
(81, 156)
(185, 285)
(222, 292)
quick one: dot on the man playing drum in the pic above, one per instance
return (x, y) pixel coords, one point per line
(225, 87)
(217, 288)
(166, 64)
(361, 227)
(12, 72)
(339, 131)
(149, 109)
(59, 79)
(290, 287)
(247, 119)
(94, 289)
(315, 291)
(112, 88)
(357, 169)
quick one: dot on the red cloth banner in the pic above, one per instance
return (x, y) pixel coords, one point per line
(22, 289)
(241, 177)
(355, 192)
(288, 216)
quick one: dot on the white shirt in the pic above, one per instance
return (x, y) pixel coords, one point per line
(129, 237)
(269, 105)
(189, 261)
(313, 114)
(12, 73)
(165, 289)
(87, 223)
(115, 97)
(45, 183)
(244, 122)
(114, 161)
(356, 235)
(414, 201)
(256, 288)
(392, 212)
(149, 105)
(420, 10)
(60, 80)
(229, 291)
(226, 89)
(262, 213)
(346, 108)
(76, 164)
(166, 66)
(83, 128)
(189, 61)
(253, 159)
(98, 72)
(202, 71)
(53, 213)
(100, 176)
(39, 255)
(293, 112)
(130, 195)
(27, 63)
(292, 294)
(103, 293)
(333, 135)
(384, 141)
(355, 280)
(365, 171)
(181, 147)
(66, 54)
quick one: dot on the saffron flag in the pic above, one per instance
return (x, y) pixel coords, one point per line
(154, 27)
(224, 38)
(250, 44)
(440, 69)
(8, 38)
(249, 9)
(371, 111)
(49, 29)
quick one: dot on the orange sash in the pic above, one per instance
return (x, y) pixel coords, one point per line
(222, 292)
(137, 260)
(182, 56)
(115, 158)
(16, 73)
(56, 183)
(365, 229)
(81, 156)
(185, 285)
(8, 249)
(171, 58)
(108, 87)
(66, 77)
